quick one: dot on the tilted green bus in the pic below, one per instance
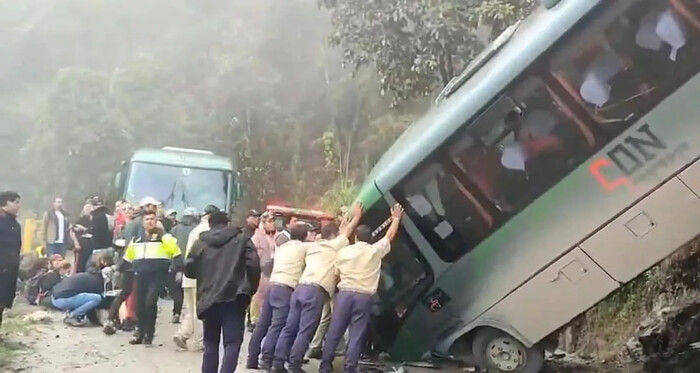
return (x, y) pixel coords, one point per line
(179, 178)
(557, 167)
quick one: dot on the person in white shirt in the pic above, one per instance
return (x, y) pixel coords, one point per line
(287, 268)
(359, 268)
(316, 287)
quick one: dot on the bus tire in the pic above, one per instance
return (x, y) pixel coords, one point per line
(498, 352)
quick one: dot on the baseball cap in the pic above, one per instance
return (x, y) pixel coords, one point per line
(190, 211)
(170, 212)
(148, 201)
(210, 209)
(96, 201)
(254, 213)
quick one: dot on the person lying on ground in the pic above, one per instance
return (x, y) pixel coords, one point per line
(40, 286)
(81, 293)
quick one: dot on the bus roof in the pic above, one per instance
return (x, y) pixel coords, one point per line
(184, 158)
(534, 36)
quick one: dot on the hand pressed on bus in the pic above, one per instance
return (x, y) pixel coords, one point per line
(396, 213)
(348, 227)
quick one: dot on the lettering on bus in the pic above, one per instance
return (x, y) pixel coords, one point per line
(634, 153)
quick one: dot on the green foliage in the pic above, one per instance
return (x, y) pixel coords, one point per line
(341, 194)
(416, 46)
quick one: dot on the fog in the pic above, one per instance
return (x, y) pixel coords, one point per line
(84, 83)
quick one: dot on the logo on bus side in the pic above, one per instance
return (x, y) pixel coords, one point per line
(436, 300)
(633, 154)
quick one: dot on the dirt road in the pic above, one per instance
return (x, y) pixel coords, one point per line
(54, 347)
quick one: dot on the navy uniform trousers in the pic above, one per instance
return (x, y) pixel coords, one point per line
(305, 312)
(352, 312)
(272, 319)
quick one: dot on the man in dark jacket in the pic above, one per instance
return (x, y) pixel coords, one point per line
(227, 269)
(81, 293)
(10, 246)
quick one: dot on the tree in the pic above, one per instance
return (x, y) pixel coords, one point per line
(416, 46)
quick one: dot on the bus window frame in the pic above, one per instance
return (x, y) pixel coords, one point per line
(586, 32)
(479, 126)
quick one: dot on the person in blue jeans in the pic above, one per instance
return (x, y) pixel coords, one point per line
(226, 265)
(81, 293)
(54, 229)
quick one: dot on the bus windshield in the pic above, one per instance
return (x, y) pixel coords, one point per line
(178, 187)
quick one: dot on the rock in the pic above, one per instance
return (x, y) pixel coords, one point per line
(38, 317)
(634, 349)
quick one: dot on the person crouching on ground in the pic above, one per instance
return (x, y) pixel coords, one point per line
(227, 268)
(81, 293)
(150, 257)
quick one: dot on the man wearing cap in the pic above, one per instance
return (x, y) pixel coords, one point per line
(190, 324)
(152, 256)
(264, 241)
(252, 223)
(170, 220)
(286, 271)
(316, 287)
(359, 267)
(133, 229)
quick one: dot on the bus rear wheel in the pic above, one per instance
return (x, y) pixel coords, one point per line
(499, 352)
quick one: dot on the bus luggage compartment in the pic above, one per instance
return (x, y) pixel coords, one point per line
(649, 231)
(554, 297)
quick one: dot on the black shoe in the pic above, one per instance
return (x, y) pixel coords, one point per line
(176, 319)
(148, 340)
(128, 325)
(251, 365)
(136, 340)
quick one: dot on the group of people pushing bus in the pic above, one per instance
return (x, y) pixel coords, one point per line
(297, 285)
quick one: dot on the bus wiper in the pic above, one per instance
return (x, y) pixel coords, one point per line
(171, 197)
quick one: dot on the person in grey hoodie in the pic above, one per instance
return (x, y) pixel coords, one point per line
(227, 268)
(181, 232)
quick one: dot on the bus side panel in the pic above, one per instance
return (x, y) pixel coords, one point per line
(554, 297)
(691, 177)
(647, 233)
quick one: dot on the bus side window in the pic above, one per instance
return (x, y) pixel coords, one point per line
(536, 145)
(445, 211)
(633, 55)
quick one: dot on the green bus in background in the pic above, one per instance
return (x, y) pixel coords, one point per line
(179, 178)
(560, 165)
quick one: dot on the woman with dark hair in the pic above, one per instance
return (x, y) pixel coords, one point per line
(100, 230)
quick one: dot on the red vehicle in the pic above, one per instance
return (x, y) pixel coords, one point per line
(314, 217)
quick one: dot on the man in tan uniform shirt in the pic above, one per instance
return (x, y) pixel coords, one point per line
(287, 268)
(359, 268)
(316, 286)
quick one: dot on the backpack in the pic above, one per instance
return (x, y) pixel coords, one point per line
(32, 289)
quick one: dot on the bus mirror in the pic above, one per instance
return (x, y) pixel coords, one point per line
(239, 191)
